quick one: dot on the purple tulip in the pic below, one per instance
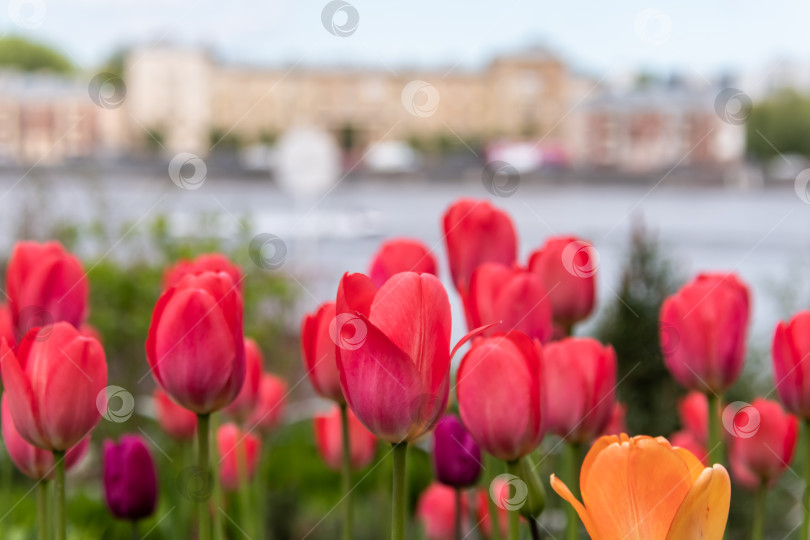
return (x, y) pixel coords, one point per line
(130, 482)
(456, 456)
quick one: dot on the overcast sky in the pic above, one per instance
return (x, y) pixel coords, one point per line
(595, 35)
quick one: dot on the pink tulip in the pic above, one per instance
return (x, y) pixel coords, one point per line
(500, 399)
(512, 299)
(401, 255)
(703, 326)
(791, 363)
(436, 511)
(617, 424)
(195, 346)
(7, 326)
(177, 421)
(209, 262)
(329, 440)
(394, 352)
(482, 508)
(269, 410)
(693, 410)
(579, 381)
(245, 403)
(45, 284)
(475, 232)
(34, 462)
(318, 351)
(237, 449)
(686, 439)
(567, 267)
(762, 444)
(52, 385)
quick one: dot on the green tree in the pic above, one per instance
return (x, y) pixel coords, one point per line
(780, 123)
(22, 54)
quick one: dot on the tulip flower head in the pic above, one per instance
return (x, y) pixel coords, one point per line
(245, 403)
(269, 410)
(52, 384)
(195, 346)
(177, 421)
(703, 328)
(456, 455)
(791, 363)
(237, 450)
(329, 440)
(643, 488)
(130, 480)
(401, 255)
(209, 262)
(693, 410)
(618, 422)
(436, 510)
(318, 352)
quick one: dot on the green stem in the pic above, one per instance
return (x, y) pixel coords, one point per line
(491, 464)
(759, 513)
(42, 511)
(59, 495)
(346, 473)
(219, 497)
(458, 514)
(571, 459)
(204, 463)
(715, 440)
(513, 467)
(245, 506)
(805, 534)
(534, 528)
(135, 534)
(399, 492)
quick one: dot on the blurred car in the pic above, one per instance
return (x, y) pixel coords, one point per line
(526, 156)
(392, 157)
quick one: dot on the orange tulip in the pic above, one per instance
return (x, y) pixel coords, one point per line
(643, 488)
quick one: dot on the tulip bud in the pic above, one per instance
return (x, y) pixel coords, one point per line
(580, 385)
(436, 511)
(791, 361)
(245, 403)
(45, 284)
(510, 298)
(329, 440)
(195, 346)
(687, 440)
(761, 451)
(238, 454)
(269, 410)
(617, 424)
(693, 410)
(703, 326)
(177, 421)
(52, 385)
(34, 462)
(318, 352)
(401, 255)
(567, 268)
(500, 397)
(130, 480)
(209, 262)
(456, 456)
(501, 511)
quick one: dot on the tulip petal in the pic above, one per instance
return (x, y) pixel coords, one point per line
(21, 401)
(356, 292)
(696, 466)
(704, 511)
(563, 491)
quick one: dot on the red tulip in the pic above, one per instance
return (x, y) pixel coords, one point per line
(579, 381)
(329, 440)
(7, 326)
(269, 410)
(177, 421)
(318, 351)
(482, 504)
(436, 510)
(237, 449)
(791, 363)
(693, 410)
(394, 352)
(52, 385)
(195, 345)
(34, 462)
(567, 267)
(703, 327)
(45, 284)
(475, 232)
(617, 424)
(512, 299)
(209, 262)
(500, 399)
(762, 452)
(401, 255)
(686, 439)
(245, 403)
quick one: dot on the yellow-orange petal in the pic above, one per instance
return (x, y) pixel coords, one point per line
(563, 491)
(600, 444)
(704, 511)
(696, 467)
